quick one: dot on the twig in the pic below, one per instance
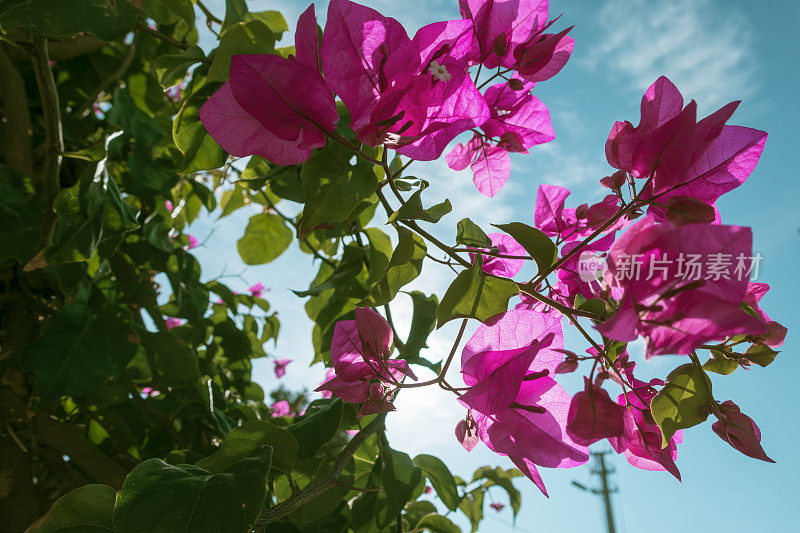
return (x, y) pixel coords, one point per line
(54, 137)
(327, 482)
(162, 36)
(115, 76)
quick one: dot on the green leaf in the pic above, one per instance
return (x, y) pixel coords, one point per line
(317, 426)
(474, 294)
(400, 477)
(503, 479)
(88, 509)
(720, 364)
(472, 506)
(760, 354)
(157, 497)
(423, 322)
(92, 215)
(235, 11)
(413, 210)
(19, 219)
(200, 150)
(267, 236)
(469, 234)
(79, 351)
(404, 267)
(171, 68)
(62, 19)
(683, 401)
(537, 244)
(441, 479)
(247, 439)
(251, 37)
(168, 12)
(333, 187)
(175, 360)
(438, 524)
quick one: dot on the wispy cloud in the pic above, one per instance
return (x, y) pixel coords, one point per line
(704, 46)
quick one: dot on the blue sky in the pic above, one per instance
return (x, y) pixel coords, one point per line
(715, 51)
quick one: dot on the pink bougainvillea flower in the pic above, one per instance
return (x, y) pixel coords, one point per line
(568, 224)
(193, 242)
(697, 159)
(776, 333)
(256, 290)
(573, 281)
(150, 392)
(490, 163)
(675, 295)
(594, 416)
(280, 367)
(517, 113)
(272, 106)
(497, 506)
(467, 434)
(329, 374)
(169, 206)
(281, 408)
(518, 409)
(513, 22)
(361, 368)
(503, 266)
(173, 322)
(306, 39)
(415, 96)
(641, 439)
(543, 56)
(739, 430)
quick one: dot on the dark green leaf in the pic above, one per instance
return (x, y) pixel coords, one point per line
(537, 244)
(760, 354)
(247, 439)
(333, 187)
(317, 426)
(88, 509)
(413, 210)
(472, 506)
(79, 350)
(251, 37)
(720, 364)
(158, 497)
(438, 524)
(62, 19)
(400, 477)
(441, 479)
(469, 234)
(200, 150)
(404, 267)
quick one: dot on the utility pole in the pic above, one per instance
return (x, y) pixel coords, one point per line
(605, 491)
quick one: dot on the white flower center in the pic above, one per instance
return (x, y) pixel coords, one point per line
(439, 72)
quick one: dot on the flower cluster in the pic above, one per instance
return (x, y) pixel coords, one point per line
(414, 95)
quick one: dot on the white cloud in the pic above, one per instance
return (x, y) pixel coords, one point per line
(704, 46)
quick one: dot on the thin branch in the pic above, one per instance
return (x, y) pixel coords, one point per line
(162, 36)
(294, 224)
(273, 514)
(109, 80)
(54, 137)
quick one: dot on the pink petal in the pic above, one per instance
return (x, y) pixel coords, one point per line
(467, 437)
(362, 51)
(492, 169)
(500, 266)
(288, 98)
(241, 135)
(306, 39)
(463, 155)
(374, 332)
